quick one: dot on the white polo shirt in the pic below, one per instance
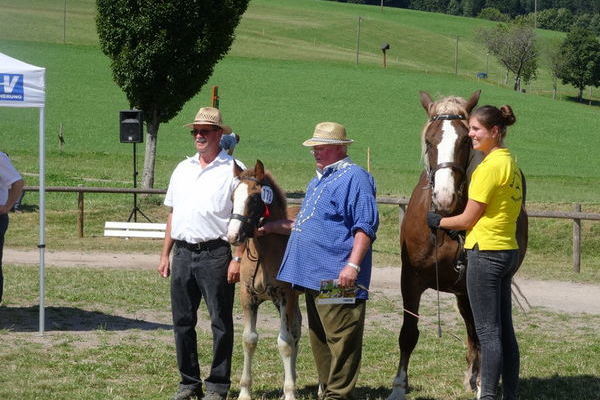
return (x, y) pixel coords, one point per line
(201, 198)
(8, 176)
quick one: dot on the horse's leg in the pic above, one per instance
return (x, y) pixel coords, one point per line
(471, 381)
(250, 338)
(288, 340)
(409, 333)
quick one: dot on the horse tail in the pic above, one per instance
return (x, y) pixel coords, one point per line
(524, 183)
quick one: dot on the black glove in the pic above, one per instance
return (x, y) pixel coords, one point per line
(433, 220)
(453, 234)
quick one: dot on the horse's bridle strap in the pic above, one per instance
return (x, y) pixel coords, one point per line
(446, 117)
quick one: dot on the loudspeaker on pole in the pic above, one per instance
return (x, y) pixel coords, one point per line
(131, 126)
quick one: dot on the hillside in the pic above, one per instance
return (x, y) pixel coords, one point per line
(293, 64)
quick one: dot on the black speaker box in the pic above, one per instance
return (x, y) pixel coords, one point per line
(132, 126)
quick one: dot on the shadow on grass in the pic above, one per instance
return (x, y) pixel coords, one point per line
(584, 101)
(310, 392)
(580, 387)
(26, 319)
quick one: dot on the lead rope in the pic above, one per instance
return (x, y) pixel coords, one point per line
(437, 285)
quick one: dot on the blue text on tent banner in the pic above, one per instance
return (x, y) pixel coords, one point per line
(11, 87)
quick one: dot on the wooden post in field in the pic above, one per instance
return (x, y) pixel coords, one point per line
(65, 23)
(358, 40)
(80, 215)
(456, 58)
(61, 138)
(577, 240)
(215, 97)
(368, 159)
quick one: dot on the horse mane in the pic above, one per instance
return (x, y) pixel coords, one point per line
(279, 198)
(446, 105)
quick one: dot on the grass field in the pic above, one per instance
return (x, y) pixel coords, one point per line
(291, 66)
(109, 337)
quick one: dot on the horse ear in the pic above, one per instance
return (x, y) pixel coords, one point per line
(237, 170)
(259, 170)
(473, 100)
(426, 101)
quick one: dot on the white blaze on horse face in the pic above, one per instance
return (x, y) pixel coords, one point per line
(443, 192)
(240, 195)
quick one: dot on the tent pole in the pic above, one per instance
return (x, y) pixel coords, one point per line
(42, 242)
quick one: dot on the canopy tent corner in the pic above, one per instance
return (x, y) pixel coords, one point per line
(24, 85)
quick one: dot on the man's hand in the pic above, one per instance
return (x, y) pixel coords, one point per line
(433, 220)
(347, 277)
(164, 267)
(4, 209)
(233, 272)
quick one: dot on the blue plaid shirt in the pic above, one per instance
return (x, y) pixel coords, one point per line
(338, 202)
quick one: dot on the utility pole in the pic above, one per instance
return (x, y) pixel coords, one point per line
(358, 40)
(456, 58)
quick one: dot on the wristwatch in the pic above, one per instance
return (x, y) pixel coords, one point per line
(236, 258)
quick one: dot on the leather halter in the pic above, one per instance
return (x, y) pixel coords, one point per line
(452, 165)
(251, 223)
(446, 117)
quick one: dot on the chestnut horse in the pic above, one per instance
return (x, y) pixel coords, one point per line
(431, 261)
(258, 199)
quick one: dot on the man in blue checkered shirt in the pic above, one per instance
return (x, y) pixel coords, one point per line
(331, 239)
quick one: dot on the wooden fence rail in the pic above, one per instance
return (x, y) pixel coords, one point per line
(576, 215)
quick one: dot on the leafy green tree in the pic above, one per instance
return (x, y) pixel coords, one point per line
(514, 46)
(453, 7)
(162, 52)
(580, 53)
(493, 14)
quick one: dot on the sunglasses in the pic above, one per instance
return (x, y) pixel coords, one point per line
(202, 131)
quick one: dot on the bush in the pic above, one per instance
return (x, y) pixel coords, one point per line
(493, 14)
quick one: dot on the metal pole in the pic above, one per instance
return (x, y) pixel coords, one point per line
(42, 200)
(577, 240)
(134, 184)
(358, 40)
(456, 58)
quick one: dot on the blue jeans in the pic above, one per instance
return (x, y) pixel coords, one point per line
(197, 275)
(489, 275)
(3, 228)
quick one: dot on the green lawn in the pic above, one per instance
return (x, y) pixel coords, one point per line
(109, 337)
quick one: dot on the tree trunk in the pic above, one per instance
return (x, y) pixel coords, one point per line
(150, 155)
(580, 95)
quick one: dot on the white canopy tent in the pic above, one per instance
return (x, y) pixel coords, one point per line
(23, 85)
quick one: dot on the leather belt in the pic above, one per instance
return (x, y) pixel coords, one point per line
(208, 245)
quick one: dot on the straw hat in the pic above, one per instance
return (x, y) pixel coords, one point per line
(209, 116)
(328, 133)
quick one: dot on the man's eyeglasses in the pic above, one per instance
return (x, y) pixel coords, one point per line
(202, 131)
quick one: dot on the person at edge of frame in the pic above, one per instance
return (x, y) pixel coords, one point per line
(200, 200)
(490, 218)
(11, 189)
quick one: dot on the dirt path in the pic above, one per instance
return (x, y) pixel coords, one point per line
(567, 297)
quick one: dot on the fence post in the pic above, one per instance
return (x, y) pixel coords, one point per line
(401, 212)
(80, 215)
(577, 240)
(215, 97)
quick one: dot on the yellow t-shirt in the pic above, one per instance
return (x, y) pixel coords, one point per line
(497, 182)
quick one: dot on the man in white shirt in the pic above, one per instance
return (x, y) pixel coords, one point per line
(200, 197)
(11, 188)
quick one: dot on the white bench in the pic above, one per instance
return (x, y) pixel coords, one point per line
(134, 229)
